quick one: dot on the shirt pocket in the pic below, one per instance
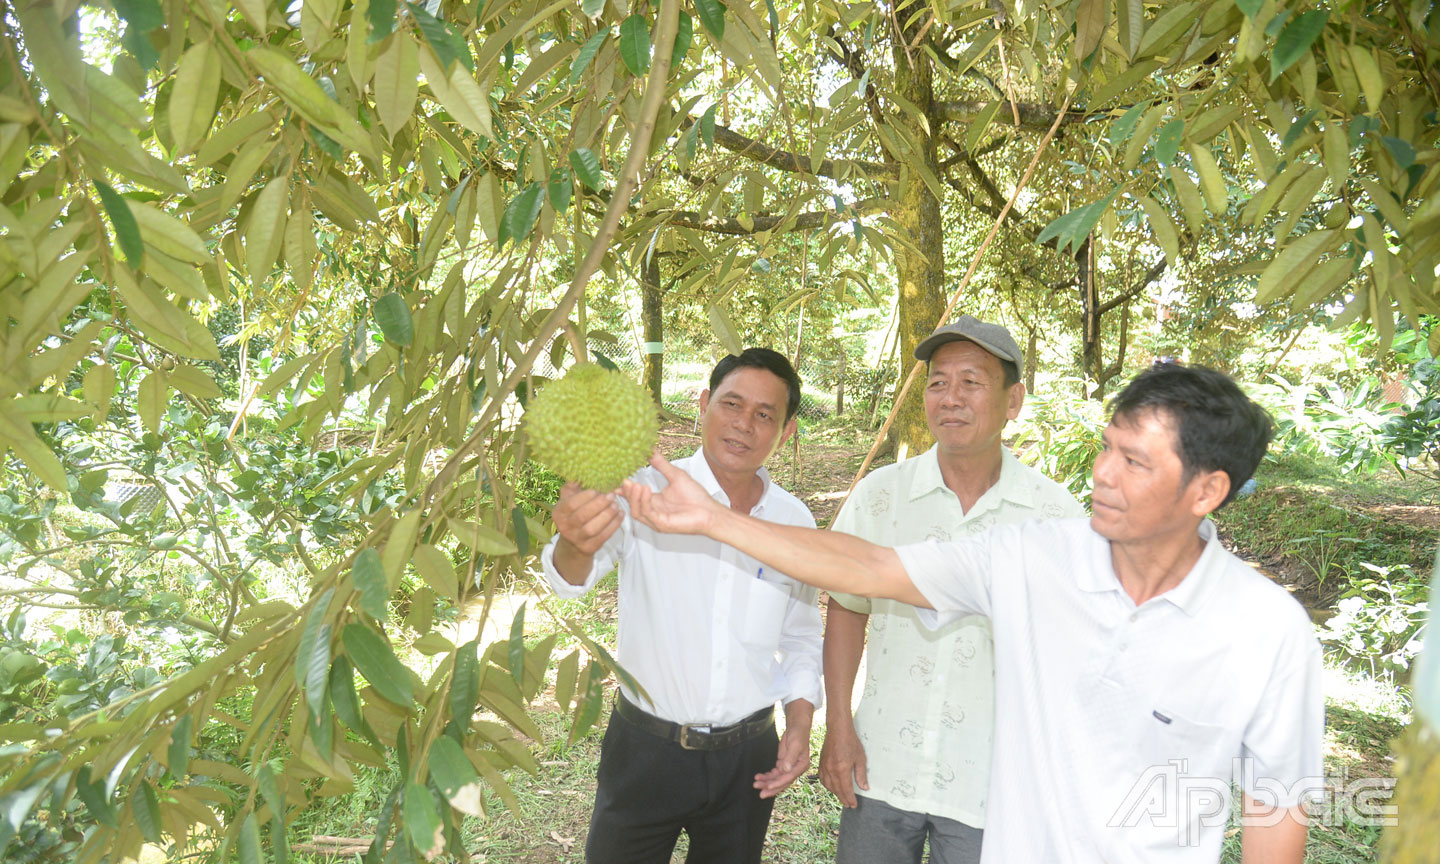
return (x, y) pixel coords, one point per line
(763, 606)
(1203, 749)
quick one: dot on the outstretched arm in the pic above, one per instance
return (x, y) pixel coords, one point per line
(825, 559)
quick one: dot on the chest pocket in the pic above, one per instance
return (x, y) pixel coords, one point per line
(761, 606)
(1205, 748)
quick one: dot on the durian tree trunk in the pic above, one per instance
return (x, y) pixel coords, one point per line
(921, 273)
(653, 324)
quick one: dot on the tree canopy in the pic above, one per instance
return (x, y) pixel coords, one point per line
(403, 205)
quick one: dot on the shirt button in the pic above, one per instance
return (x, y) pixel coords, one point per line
(1134, 616)
(1124, 645)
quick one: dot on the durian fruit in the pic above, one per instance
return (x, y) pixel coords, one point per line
(593, 426)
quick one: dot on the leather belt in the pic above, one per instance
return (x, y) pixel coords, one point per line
(697, 736)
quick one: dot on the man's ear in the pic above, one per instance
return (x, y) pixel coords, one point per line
(1017, 400)
(704, 400)
(791, 426)
(1209, 490)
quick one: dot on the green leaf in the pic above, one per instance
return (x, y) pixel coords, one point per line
(565, 676)
(522, 531)
(178, 753)
(369, 574)
(192, 100)
(195, 382)
(1091, 18)
(249, 840)
(394, 319)
(152, 396)
(587, 54)
(684, 34)
(455, 776)
(465, 683)
(146, 808)
(372, 655)
(724, 328)
(1071, 229)
(1250, 7)
(314, 626)
(1402, 151)
(448, 45)
(381, 15)
(422, 823)
(437, 571)
(1130, 24)
(587, 167)
(707, 126)
(92, 794)
(1295, 40)
(143, 15)
(127, 232)
(1288, 268)
(269, 788)
(1167, 143)
(635, 44)
(346, 701)
(516, 647)
(560, 188)
(520, 215)
(712, 15)
(592, 8)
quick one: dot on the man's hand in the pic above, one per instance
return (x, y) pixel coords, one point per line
(584, 519)
(842, 757)
(793, 758)
(682, 507)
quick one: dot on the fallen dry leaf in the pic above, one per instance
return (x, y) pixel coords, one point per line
(563, 842)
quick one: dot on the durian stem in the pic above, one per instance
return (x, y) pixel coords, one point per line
(577, 344)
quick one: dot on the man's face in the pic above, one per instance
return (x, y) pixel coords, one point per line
(743, 421)
(1141, 492)
(966, 401)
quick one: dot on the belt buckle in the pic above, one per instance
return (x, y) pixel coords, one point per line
(698, 729)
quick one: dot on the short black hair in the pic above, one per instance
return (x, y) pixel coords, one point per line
(771, 361)
(1218, 427)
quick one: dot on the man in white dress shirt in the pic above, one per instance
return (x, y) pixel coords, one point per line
(913, 765)
(1139, 666)
(713, 638)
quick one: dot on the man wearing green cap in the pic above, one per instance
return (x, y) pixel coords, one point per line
(913, 765)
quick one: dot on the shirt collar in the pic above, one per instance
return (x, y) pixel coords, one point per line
(1188, 596)
(697, 466)
(1010, 487)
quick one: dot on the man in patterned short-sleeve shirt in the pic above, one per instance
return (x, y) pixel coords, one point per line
(914, 764)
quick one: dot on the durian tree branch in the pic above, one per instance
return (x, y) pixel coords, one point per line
(784, 224)
(655, 86)
(1032, 115)
(784, 160)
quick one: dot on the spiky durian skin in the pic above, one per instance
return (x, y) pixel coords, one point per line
(593, 426)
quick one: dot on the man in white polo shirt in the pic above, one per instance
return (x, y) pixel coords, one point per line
(913, 766)
(1139, 666)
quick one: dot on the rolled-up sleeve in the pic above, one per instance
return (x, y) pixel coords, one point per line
(800, 641)
(800, 648)
(954, 576)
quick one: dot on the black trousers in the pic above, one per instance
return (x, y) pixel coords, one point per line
(650, 789)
